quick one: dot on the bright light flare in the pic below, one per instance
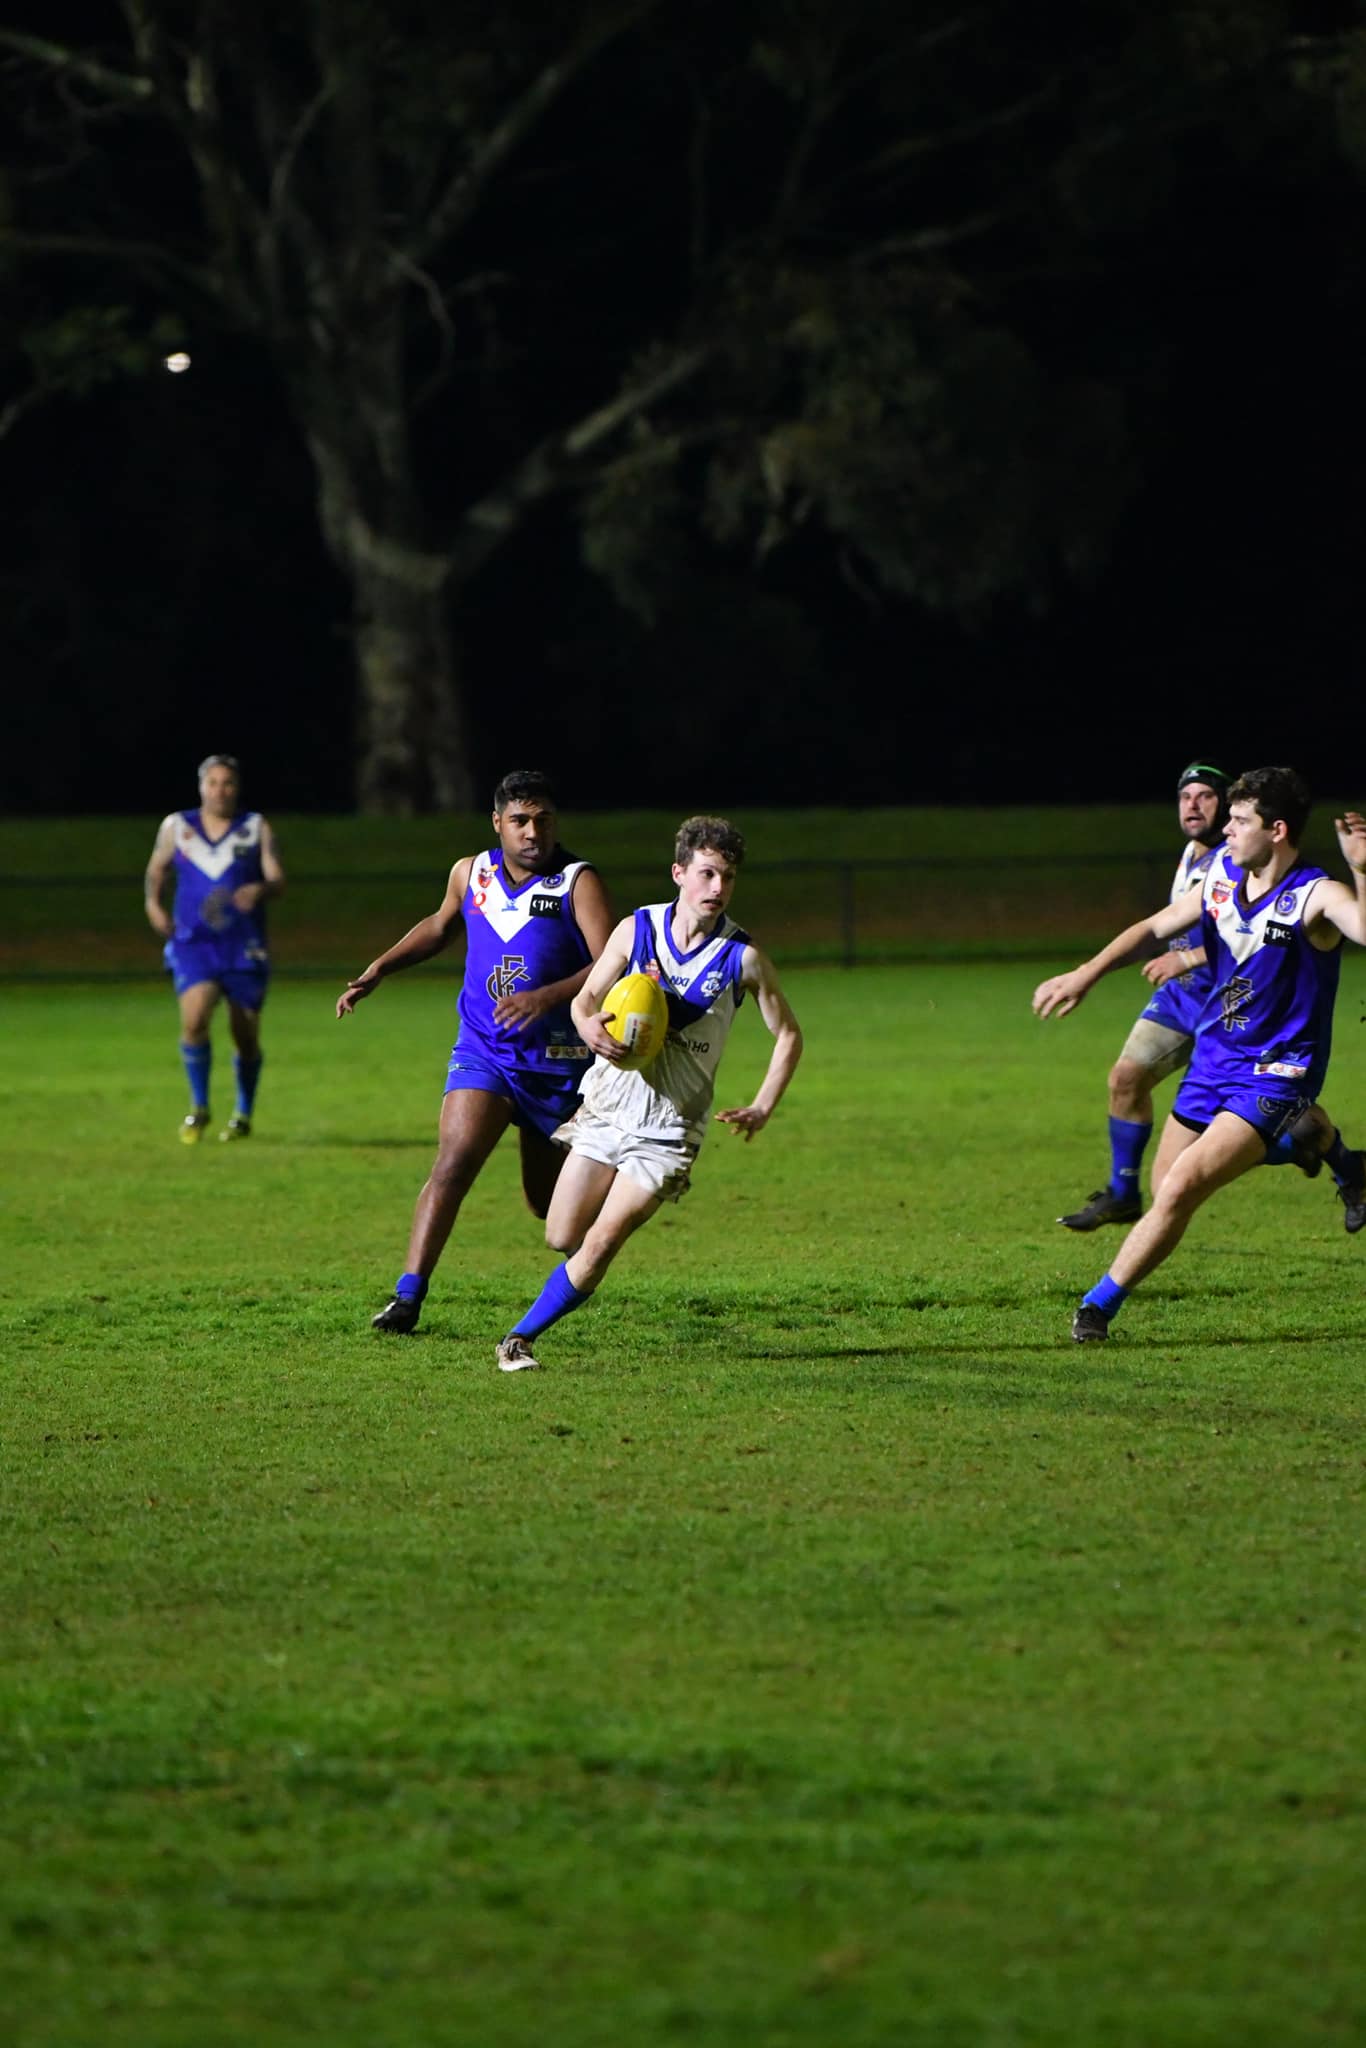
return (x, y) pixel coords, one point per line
(177, 362)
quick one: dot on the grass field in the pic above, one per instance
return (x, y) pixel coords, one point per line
(822, 1649)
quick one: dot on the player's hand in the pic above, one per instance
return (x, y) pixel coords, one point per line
(515, 1012)
(160, 920)
(748, 1122)
(248, 895)
(356, 991)
(1351, 831)
(1060, 995)
(1165, 968)
(599, 1040)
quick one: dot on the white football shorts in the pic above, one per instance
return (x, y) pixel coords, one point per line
(661, 1165)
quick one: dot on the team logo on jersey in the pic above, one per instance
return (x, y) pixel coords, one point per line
(551, 881)
(1278, 934)
(713, 984)
(546, 906)
(1221, 891)
(1284, 906)
(1235, 996)
(504, 979)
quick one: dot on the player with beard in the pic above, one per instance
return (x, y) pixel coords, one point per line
(535, 919)
(1272, 926)
(1161, 1039)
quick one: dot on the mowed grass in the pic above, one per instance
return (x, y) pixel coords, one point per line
(822, 1649)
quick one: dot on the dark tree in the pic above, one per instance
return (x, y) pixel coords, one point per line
(791, 266)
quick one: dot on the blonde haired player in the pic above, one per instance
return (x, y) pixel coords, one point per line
(634, 1140)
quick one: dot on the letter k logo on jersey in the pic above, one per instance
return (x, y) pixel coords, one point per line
(504, 979)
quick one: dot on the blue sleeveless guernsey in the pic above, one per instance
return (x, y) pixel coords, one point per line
(520, 936)
(1268, 1021)
(213, 939)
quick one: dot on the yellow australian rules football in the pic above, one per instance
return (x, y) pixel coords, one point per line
(637, 1016)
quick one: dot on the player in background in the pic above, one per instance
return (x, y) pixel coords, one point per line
(1272, 928)
(634, 1141)
(1164, 1032)
(1160, 1041)
(534, 918)
(226, 866)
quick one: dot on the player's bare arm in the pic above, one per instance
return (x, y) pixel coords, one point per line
(586, 1008)
(760, 976)
(1333, 903)
(154, 881)
(272, 882)
(1168, 965)
(1059, 996)
(430, 936)
(593, 916)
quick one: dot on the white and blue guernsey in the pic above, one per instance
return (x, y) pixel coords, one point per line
(671, 1098)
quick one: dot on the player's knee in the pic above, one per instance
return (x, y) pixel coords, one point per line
(562, 1237)
(453, 1172)
(1130, 1088)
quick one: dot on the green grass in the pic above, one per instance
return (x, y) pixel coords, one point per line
(821, 1649)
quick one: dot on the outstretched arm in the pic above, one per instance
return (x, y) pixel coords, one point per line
(430, 936)
(1059, 996)
(1334, 903)
(760, 975)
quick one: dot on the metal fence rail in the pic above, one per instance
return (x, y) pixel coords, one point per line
(835, 912)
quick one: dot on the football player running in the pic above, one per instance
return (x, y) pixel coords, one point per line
(635, 1138)
(1272, 928)
(534, 920)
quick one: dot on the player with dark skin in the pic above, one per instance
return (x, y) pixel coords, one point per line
(472, 1119)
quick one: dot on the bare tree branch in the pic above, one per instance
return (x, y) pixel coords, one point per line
(118, 85)
(558, 461)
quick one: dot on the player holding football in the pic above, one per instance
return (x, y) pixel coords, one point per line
(633, 1142)
(226, 867)
(1272, 928)
(534, 920)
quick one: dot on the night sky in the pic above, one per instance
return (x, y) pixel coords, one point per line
(167, 593)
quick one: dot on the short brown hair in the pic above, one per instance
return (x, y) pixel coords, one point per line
(1276, 793)
(718, 835)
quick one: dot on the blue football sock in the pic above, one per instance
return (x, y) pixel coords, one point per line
(1280, 1151)
(1108, 1296)
(198, 1059)
(559, 1297)
(248, 1074)
(410, 1287)
(1128, 1143)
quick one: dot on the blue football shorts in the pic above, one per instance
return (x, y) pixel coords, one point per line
(1270, 1107)
(189, 962)
(1175, 1005)
(540, 1102)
